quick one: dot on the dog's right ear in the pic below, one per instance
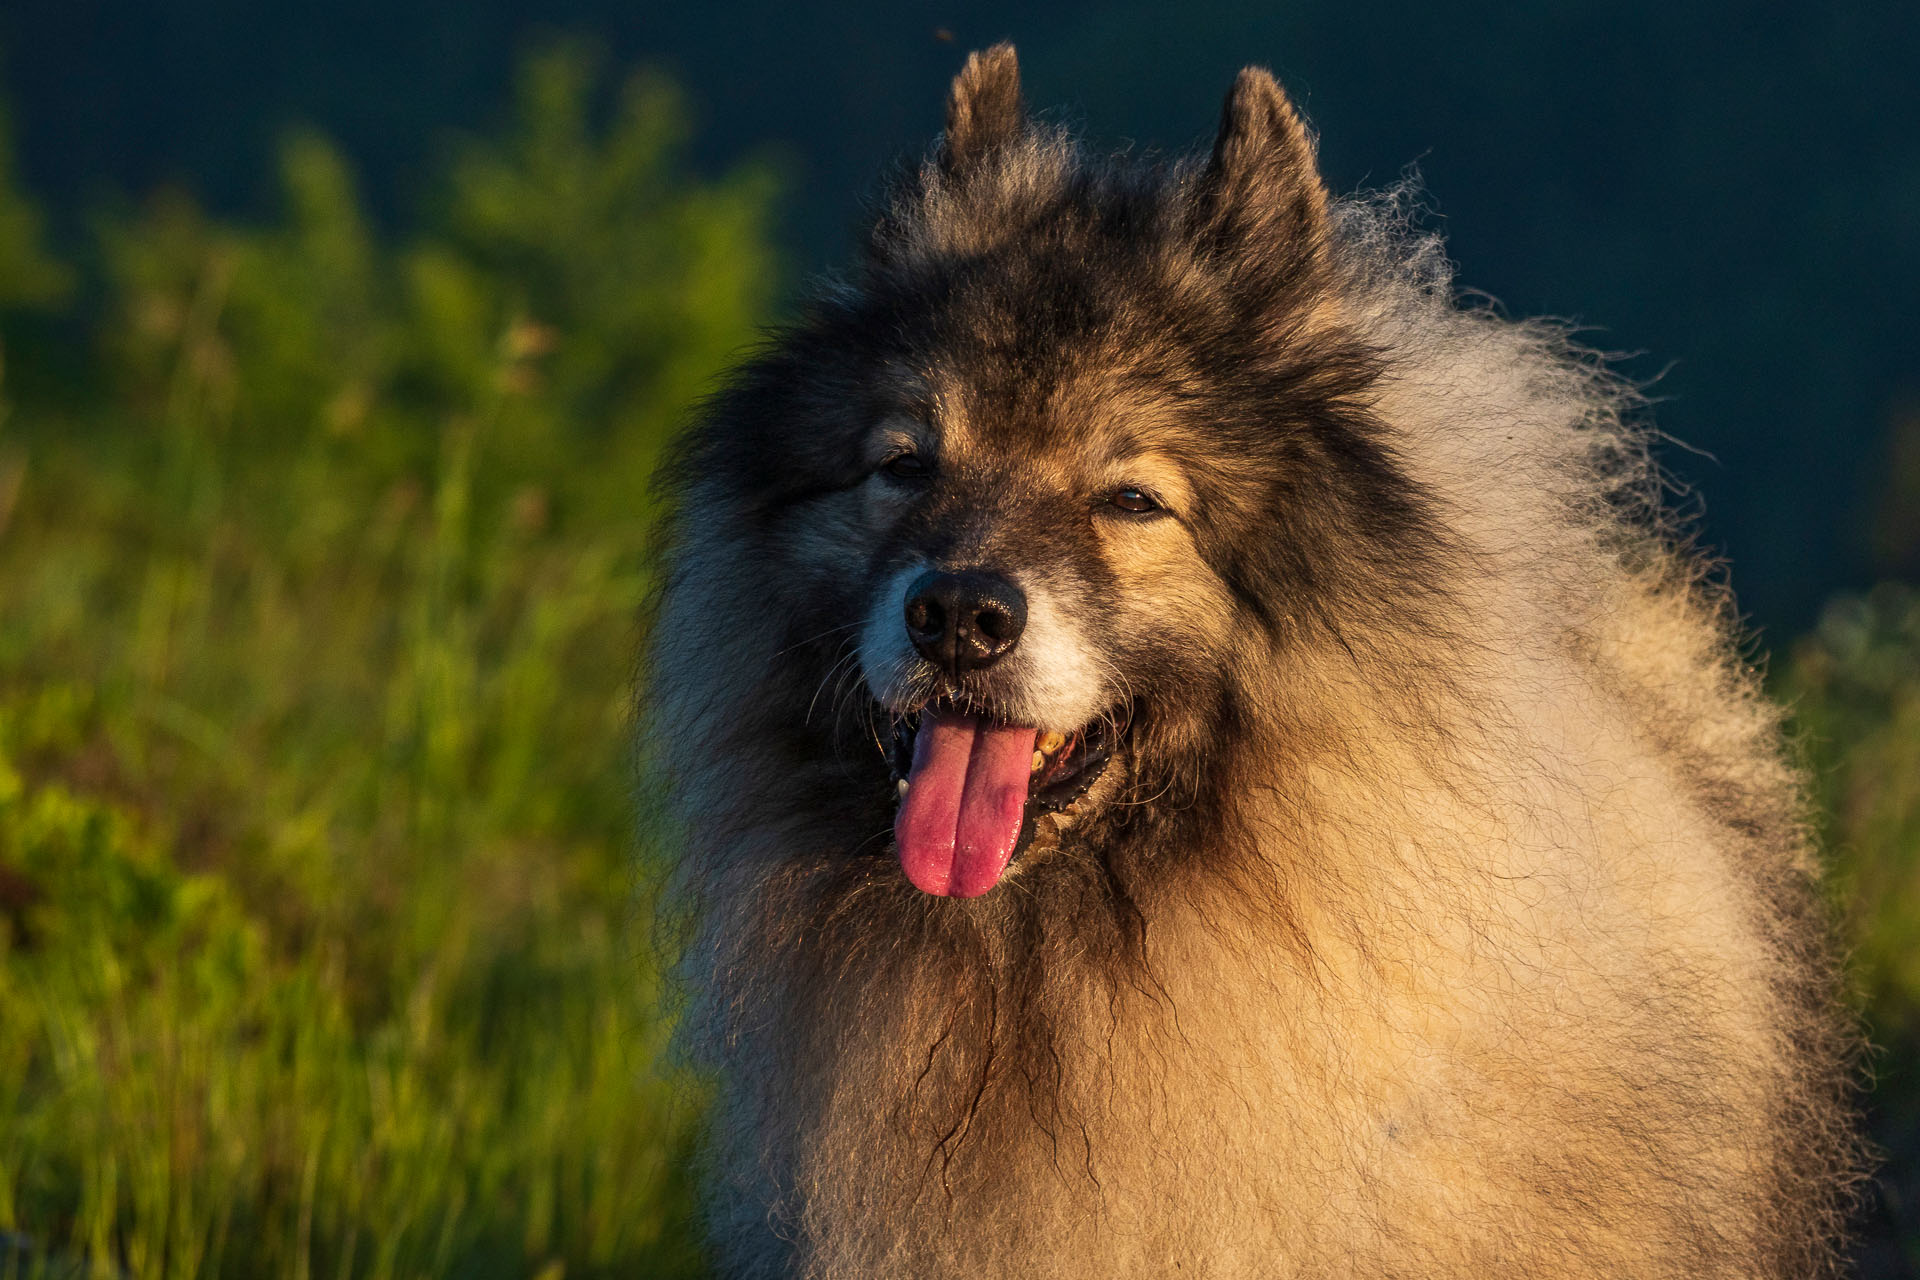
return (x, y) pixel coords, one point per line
(984, 110)
(1262, 184)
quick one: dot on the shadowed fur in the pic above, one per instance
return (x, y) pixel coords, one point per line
(1446, 909)
(984, 111)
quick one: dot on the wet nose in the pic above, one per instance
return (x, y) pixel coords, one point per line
(962, 622)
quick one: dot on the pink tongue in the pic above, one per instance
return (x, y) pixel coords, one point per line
(966, 795)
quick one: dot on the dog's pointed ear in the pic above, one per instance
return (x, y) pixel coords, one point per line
(984, 109)
(1262, 181)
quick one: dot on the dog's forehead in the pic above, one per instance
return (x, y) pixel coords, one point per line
(1057, 418)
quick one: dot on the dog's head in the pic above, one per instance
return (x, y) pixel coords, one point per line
(1079, 441)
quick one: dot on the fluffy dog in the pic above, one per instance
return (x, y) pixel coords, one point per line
(1196, 754)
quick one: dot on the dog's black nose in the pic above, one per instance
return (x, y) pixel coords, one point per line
(961, 622)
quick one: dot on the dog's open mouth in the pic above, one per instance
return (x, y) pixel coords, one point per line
(970, 789)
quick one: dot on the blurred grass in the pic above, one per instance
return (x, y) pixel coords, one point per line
(318, 606)
(321, 552)
(1854, 687)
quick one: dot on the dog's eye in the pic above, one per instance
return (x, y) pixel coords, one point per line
(1133, 501)
(905, 466)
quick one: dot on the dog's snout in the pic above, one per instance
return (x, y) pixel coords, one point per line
(961, 622)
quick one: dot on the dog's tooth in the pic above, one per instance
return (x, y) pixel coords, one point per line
(1039, 760)
(1052, 742)
(903, 788)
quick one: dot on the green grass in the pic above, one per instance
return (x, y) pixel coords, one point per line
(1855, 687)
(319, 953)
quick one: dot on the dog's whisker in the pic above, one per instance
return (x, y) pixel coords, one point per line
(845, 659)
(830, 631)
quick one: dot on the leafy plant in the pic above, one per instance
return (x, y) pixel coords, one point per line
(317, 954)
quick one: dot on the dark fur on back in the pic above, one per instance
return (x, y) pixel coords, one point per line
(1449, 913)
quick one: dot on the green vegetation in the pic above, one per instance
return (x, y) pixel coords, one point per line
(320, 559)
(1855, 688)
(318, 608)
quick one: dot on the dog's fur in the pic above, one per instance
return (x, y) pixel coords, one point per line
(1449, 911)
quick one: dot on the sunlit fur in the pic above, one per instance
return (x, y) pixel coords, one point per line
(1451, 912)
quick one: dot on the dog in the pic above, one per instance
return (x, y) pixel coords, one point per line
(1192, 752)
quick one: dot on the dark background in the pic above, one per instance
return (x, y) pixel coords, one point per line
(1727, 191)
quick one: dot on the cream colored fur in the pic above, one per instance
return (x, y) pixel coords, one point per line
(1525, 974)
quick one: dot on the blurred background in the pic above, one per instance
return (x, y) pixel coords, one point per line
(339, 342)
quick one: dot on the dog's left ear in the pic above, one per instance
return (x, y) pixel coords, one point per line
(1262, 184)
(984, 109)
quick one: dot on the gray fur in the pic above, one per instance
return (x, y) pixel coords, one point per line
(1450, 913)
